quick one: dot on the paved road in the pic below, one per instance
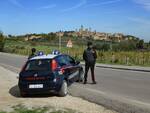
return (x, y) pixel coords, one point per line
(122, 85)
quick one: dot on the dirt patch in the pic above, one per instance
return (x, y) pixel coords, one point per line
(10, 96)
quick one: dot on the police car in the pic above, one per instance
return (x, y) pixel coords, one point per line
(49, 73)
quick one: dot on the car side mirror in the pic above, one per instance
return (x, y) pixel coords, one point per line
(77, 62)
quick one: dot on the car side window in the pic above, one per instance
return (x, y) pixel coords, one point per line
(70, 60)
(61, 61)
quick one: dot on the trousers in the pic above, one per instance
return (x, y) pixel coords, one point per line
(90, 66)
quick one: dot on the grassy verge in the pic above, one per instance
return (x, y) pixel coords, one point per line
(22, 109)
(122, 58)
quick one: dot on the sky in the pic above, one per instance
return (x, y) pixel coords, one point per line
(130, 17)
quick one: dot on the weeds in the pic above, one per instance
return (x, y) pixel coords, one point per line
(23, 109)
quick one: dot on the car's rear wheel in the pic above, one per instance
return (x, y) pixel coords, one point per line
(64, 89)
(23, 94)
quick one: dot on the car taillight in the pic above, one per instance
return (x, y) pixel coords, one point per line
(54, 65)
(62, 71)
(23, 67)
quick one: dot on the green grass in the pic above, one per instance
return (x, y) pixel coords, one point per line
(22, 109)
(125, 58)
(122, 58)
(24, 48)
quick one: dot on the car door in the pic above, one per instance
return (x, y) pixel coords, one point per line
(63, 64)
(74, 74)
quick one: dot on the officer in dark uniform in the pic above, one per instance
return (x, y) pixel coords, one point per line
(33, 51)
(89, 57)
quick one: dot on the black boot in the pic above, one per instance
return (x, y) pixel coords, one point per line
(85, 82)
(94, 82)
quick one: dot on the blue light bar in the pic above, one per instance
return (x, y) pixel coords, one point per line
(55, 52)
(40, 53)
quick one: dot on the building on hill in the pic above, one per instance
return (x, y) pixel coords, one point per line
(119, 37)
(32, 37)
(60, 33)
(100, 36)
(81, 29)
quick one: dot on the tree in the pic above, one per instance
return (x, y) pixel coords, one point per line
(10, 36)
(105, 47)
(1, 41)
(124, 46)
(140, 44)
(51, 36)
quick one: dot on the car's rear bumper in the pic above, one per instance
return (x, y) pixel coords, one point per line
(47, 87)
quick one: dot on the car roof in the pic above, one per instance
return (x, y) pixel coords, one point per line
(49, 56)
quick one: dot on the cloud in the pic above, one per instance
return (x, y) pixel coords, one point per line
(16, 3)
(144, 3)
(47, 7)
(140, 20)
(82, 2)
(105, 3)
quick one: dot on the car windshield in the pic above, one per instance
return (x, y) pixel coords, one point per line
(38, 65)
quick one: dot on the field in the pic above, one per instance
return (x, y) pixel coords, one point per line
(140, 58)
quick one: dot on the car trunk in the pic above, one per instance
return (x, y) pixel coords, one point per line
(37, 70)
(36, 76)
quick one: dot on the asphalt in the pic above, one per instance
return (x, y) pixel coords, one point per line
(122, 88)
(121, 67)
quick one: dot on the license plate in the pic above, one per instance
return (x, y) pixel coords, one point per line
(36, 86)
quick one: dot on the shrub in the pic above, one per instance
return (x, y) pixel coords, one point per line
(1, 41)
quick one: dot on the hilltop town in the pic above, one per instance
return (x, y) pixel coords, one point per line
(85, 33)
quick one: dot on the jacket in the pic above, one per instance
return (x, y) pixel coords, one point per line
(90, 56)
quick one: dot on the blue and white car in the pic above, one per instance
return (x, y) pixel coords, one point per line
(49, 73)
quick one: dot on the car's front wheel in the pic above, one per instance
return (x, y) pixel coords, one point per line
(64, 89)
(81, 76)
